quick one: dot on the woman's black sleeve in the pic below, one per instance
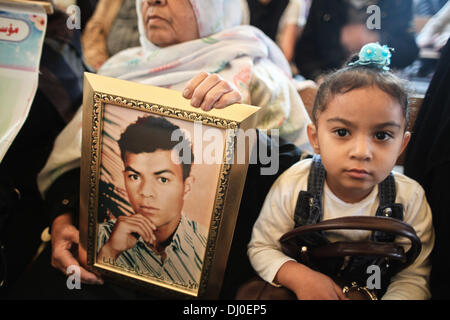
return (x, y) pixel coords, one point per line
(63, 196)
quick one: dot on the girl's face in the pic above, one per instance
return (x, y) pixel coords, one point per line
(359, 136)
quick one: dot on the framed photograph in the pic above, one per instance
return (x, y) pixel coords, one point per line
(161, 184)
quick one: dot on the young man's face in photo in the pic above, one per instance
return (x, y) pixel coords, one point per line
(155, 186)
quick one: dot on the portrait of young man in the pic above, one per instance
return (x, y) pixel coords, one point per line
(157, 239)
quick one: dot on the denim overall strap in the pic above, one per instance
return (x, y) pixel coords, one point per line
(387, 207)
(309, 203)
(308, 209)
(316, 178)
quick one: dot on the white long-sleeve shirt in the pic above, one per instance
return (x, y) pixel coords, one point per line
(277, 218)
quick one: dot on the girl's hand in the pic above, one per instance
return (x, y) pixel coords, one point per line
(318, 286)
(308, 284)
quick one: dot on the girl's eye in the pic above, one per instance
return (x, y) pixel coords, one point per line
(382, 136)
(342, 132)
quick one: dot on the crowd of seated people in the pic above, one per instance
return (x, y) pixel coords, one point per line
(280, 44)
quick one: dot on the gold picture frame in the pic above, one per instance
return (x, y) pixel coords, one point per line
(210, 207)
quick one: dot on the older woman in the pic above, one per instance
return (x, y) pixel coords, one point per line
(196, 47)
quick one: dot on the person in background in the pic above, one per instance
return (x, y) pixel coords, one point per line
(281, 20)
(337, 29)
(112, 28)
(86, 8)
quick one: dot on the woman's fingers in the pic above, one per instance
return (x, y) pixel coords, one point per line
(62, 257)
(228, 99)
(214, 94)
(193, 84)
(202, 93)
(69, 265)
(209, 91)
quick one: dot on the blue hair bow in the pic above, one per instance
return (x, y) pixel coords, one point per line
(375, 55)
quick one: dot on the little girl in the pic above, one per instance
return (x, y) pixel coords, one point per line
(360, 117)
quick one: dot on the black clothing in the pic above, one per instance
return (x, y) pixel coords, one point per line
(319, 50)
(87, 8)
(267, 16)
(428, 162)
